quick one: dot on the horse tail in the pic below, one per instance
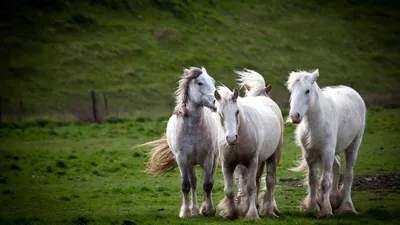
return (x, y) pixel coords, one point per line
(161, 158)
(302, 166)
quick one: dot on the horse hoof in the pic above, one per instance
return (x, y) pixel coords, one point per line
(185, 212)
(346, 207)
(195, 211)
(324, 214)
(309, 208)
(268, 213)
(253, 217)
(209, 212)
(229, 214)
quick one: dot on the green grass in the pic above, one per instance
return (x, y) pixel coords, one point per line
(134, 54)
(72, 173)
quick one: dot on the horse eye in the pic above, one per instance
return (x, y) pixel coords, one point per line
(308, 91)
(237, 112)
(199, 83)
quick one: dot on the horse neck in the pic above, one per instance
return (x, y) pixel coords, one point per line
(314, 115)
(195, 111)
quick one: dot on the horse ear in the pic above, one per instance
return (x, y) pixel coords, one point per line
(186, 71)
(248, 87)
(315, 75)
(203, 69)
(235, 94)
(268, 89)
(216, 95)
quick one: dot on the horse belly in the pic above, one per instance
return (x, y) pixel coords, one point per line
(269, 147)
(350, 123)
(346, 134)
(271, 141)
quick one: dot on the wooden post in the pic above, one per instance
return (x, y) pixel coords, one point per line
(1, 107)
(94, 106)
(350, 84)
(105, 104)
(20, 111)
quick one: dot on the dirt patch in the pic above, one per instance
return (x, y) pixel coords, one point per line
(370, 182)
(360, 183)
(292, 182)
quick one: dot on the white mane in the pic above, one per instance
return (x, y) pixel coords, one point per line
(224, 92)
(295, 77)
(249, 77)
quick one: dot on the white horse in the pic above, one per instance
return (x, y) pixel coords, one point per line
(255, 85)
(249, 135)
(191, 139)
(331, 121)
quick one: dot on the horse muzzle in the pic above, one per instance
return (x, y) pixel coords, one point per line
(295, 118)
(231, 140)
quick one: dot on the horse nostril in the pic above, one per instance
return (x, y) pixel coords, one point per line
(231, 139)
(298, 115)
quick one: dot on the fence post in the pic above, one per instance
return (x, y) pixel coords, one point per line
(105, 104)
(1, 107)
(94, 106)
(20, 111)
(350, 84)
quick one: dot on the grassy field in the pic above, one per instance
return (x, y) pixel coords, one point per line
(55, 52)
(73, 173)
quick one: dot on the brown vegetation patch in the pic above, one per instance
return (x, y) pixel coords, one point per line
(167, 34)
(292, 182)
(371, 182)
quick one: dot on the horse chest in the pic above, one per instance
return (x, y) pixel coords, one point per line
(236, 155)
(194, 142)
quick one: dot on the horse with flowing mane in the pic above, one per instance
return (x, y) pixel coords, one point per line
(331, 121)
(255, 85)
(250, 135)
(190, 140)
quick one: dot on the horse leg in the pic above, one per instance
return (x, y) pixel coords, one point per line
(269, 205)
(227, 205)
(185, 173)
(326, 182)
(309, 204)
(193, 184)
(251, 189)
(335, 195)
(240, 178)
(260, 170)
(351, 157)
(209, 166)
(242, 198)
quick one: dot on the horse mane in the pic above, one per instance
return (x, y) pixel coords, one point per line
(295, 77)
(182, 93)
(254, 80)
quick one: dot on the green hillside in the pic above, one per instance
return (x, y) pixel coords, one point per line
(55, 52)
